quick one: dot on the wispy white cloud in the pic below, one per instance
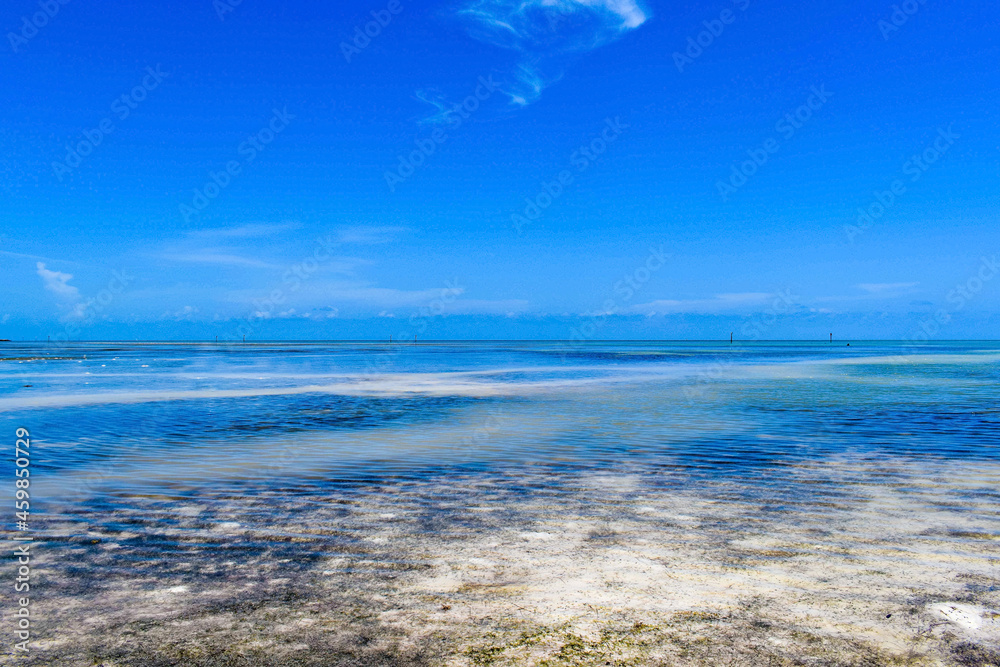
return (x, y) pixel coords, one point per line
(185, 313)
(57, 282)
(507, 307)
(360, 293)
(320, 293)
(21, 255)
(218, 258)
(458, 306)
(547, 33)
(78, 311)
(313, 299)
(717, 304)
(445, 113)
(227, 246)
(324, 313)
(871, 292)
(245, 231)
(243, 246)
(886, 288)
(369, 234)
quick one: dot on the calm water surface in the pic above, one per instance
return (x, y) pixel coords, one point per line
(132, 434)
(129, 414)
(196, 481)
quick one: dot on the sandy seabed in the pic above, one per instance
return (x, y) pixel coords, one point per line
(890, 562)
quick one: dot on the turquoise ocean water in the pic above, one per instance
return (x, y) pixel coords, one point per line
(145, 456)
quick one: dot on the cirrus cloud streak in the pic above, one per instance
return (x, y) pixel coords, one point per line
(547, 34)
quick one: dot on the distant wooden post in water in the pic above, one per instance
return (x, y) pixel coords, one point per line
(730, 337)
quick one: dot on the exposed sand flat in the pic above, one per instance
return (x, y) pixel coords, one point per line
(841, 564)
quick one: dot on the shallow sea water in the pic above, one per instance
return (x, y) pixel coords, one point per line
(511, 502)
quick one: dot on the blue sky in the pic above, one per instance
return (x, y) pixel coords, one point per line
(495, 169)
